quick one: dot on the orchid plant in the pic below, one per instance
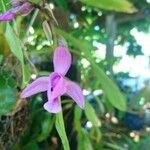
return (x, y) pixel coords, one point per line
(55, 84)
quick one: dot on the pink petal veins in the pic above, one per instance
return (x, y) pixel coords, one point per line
(39, 85)
(74, 91)
(61, 60)
(18, 9)
(7, 16)
(59, 88)
(24, 9)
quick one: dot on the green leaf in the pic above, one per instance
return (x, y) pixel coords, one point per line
(7, 93)
(117, 5)
(16, 49)
(30, 146)
(46, 126)
(1, 58)
(14, 43)
(110, 89)
(95, 134)
(91, 115)
(62, 4)
(77, 116)
(26, 75)
(35, 1)
(83, 139)
(3, 6)
(60, 127)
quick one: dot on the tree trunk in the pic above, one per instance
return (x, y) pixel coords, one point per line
(111, 30)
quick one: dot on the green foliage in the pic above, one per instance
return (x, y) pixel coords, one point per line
(46, 127)
(14, 44)
(31, 146)
(35, 1)
(62, 4)
(83, 25)
(3, 6)
(1, 58)
(7, 93)
(117, 5)
(91, 115)
(83, 139)
(16, 48)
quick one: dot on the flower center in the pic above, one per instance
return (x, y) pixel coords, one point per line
(54, 78)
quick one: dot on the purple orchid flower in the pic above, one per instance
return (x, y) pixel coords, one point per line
(19, 7)
(55, 84)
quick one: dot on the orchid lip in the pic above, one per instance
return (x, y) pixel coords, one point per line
(54, 78)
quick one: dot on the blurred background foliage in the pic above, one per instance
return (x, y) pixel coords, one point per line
(108, 40)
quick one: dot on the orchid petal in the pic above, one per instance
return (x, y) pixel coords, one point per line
(24, 9)
(74, 91)
(59, 89)
(62, 60)
(39, 85)
(53, 106)
(7, 16)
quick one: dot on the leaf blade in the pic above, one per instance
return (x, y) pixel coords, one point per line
(16, 48)
(91, 115)
(116, 5)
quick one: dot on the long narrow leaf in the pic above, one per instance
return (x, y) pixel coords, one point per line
(117, 5)
(83, 138)
(91, 115)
